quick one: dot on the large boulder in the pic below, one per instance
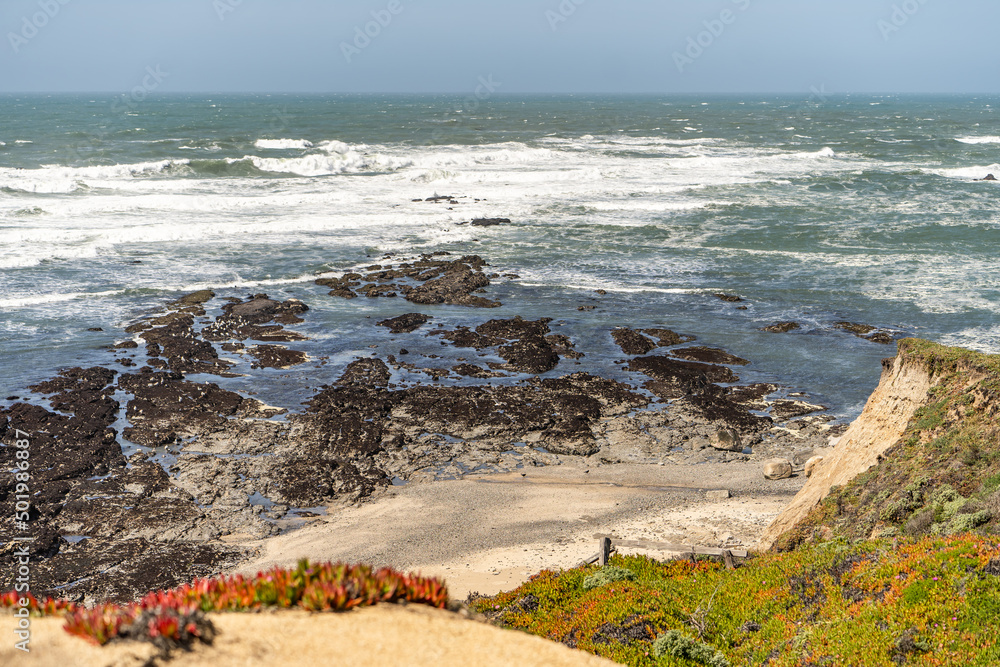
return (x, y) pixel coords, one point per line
(778, 469)
(812, 464)
(727, 440)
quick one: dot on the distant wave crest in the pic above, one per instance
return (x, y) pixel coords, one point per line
(283, 144)
(979, 140)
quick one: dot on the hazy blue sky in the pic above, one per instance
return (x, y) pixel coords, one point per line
(526, 45)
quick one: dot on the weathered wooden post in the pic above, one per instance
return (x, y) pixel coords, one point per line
(604, 553)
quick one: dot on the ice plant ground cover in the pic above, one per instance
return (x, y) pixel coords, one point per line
(177, 617)
(929, 602)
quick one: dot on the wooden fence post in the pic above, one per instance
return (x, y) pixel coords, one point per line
(605, 551)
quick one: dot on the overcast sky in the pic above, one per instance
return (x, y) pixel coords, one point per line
(536, 46)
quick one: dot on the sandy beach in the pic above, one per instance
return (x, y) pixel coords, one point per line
(490, 533)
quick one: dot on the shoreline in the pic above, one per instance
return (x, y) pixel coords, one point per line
(213, 473)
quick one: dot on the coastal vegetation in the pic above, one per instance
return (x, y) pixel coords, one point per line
(932, 601)
(176, 618)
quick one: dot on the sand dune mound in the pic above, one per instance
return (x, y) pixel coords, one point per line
(376, 636)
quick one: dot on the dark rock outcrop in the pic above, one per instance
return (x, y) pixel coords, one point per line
(714, 405)
(867, 332)
(405, 323)
(276, 356)
(259, 318)
(709, 355)
(166, 408)
(782, 327)
(454, 285)
(526, 345)
(684, 374)
(667, 337)
(130, 522)
(427, 281)
(175, 345)
(632, 342)
(341, 286)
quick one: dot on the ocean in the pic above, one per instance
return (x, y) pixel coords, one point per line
(815, 210)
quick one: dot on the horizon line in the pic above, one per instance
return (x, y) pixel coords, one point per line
(508, 93)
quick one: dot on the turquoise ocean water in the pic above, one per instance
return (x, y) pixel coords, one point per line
(859, 208)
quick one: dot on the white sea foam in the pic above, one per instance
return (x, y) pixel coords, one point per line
(283, 144)
(60, 179)
(79, 229)
(111, 209)
(701, 162)
(334, 146)
(979, 140)
(968, 173)
(43, 299)
(648, 206)
(984, 339)
(330, 164)
(607, 286)
(590, 142)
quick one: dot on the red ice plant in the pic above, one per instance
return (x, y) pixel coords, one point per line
(176, 616)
